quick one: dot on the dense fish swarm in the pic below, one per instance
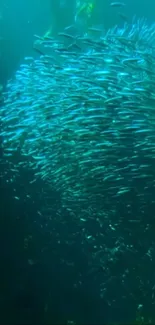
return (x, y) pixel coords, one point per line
(82, 116)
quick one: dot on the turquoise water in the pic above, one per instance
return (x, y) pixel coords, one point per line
(21, 20)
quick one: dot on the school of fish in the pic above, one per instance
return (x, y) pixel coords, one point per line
(82, 115)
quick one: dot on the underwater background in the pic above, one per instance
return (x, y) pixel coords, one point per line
(67, 257)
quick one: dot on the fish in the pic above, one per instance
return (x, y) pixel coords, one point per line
(123, 16)
(117, 4)
(38, 50)
(82, 117)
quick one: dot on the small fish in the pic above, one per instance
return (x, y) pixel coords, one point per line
(81, 118)
(66, 36)
(117, 4)
(31, 262)
(38, 50)
(123, 16)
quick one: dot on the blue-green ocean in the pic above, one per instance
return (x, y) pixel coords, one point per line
(77, 162)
